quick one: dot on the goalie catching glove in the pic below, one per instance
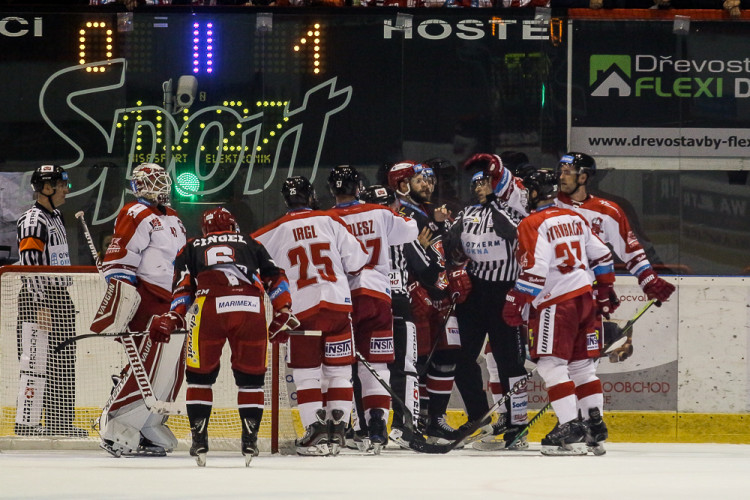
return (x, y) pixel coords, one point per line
(161, 327)
(283, 320)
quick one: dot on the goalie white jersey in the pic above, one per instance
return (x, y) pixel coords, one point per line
(144, 246)
(377, 227)
(317, 251)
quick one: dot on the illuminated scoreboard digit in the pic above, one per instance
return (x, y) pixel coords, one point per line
(96, 42)
(203, 42)
(310, 44)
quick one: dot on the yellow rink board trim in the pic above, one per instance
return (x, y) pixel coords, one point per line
(623, 426)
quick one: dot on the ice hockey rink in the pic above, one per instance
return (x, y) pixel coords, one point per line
(627, 471)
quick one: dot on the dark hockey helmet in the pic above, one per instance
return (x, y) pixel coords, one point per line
(215, 220)
(518, 163)
(380, 195)
(344, 180)
(541, 185)
(48, 173)
(402, 171)
(477, 178)
(580, 162)
(297, 191)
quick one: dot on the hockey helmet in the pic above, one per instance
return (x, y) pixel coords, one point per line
(217, 220)
(298, 191)
(381, 195)
(425, 171)
(477, 178)
(580, 162)
(151, 182)
(541, 185)
(402, 171)
(48, 174)
(344, 180)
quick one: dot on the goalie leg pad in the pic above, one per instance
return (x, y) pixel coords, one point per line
(118, 306)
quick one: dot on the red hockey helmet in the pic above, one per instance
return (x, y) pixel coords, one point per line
(217, 220)
(402, 171)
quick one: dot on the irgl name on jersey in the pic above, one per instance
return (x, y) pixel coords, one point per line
(304, 232)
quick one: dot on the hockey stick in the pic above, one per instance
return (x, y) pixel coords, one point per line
(439, 336)
(615, 344)
(411, 435)
(62, 345)
(89, 241)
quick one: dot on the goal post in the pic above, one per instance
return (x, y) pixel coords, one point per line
(45, 397)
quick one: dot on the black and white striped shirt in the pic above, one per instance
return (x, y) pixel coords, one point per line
(487, 236)
(42, 241)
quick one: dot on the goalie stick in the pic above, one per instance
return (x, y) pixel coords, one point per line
(62, 345)
(614, 345)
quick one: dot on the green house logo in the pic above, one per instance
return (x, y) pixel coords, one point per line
(609, 75)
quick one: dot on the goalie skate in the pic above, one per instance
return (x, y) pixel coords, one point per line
(565, 440)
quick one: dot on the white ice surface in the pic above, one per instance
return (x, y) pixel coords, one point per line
(627, 471)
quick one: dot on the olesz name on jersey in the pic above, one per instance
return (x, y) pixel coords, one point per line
(13, 26)
(470, 29)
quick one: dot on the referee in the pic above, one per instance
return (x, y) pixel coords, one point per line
(485, 234)
(46, 315)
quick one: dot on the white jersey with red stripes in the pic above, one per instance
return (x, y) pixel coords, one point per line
(317, 251)
(609, 223)
(557, 252)
(144, 246)
(377, 227)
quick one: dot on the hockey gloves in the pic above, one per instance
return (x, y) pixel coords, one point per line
(654, 286)
(513, 308)
(420, 300)
(492, 166)
(459, 285)
(606, 299)
(283, 320)
(161, 327)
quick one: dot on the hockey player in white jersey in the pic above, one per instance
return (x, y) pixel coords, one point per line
(377, 227)
(317, 251)
(138, 267)
(558, 254)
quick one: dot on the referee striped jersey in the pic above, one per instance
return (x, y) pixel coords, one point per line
(488, 240)
(42, 241)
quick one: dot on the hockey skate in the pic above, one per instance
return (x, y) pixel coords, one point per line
(378, 430)
(249, 440)
(315, 440)
(30, 430)
(596, 432)
(494, 440)
(336, 432)
(565, 439)
(484, 430)
(510, 441)
(199, 448)
(439, 432)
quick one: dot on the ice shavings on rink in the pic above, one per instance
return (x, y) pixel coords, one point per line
(627, 471)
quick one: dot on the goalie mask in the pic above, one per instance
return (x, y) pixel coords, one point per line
(218, 220)
(151, 183)
(344, 180)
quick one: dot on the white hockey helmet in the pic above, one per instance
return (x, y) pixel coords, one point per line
(151, 182)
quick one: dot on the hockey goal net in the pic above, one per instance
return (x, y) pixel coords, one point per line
(41, 392)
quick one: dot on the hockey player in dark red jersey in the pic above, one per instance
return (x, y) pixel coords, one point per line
(218, 293)
(431, 301)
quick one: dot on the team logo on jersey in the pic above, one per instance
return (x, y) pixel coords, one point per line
(381, 346)
(234, 303)
(340, 349)
(596, 225)
(156, 225)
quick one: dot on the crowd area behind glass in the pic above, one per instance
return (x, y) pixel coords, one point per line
(306, 92)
